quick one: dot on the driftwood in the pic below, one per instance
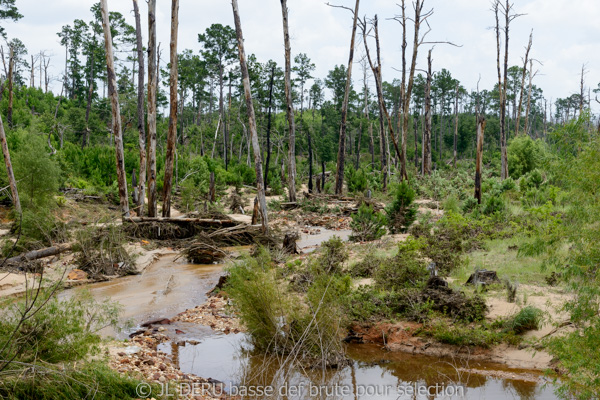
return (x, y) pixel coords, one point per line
(483, 276)
(203, 253)
(37, 254)
(174, 228)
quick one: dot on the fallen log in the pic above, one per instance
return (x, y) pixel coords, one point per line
(37, 254)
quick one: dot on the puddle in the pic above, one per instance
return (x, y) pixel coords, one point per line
(308, 243)
(373, 374)
(166, 288)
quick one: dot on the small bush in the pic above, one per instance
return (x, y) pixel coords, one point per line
(529, 318)
(406, 269)
(356, 180)
(331, 258)
(367, 225)
(494, 205)
(469, 204)
(401, 213)
(367, 267)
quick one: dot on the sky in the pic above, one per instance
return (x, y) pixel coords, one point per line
(566, 34)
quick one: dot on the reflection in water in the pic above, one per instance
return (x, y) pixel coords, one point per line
(372, 374)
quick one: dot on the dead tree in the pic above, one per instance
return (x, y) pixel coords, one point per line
(529, 93)
(140, 110)
(152, 87)
(581, 92)
(525, 62)
(9, 170)
(260, 189)
(172, 135)
(116, 112)
(11, 67)
(506, 11)
(479, 158)
(339, 176)
(455, 124)
(268, 125)
(379, 86)
(290, 105)
(426, 145)
(407, 81)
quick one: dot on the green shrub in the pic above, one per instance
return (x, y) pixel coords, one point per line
(529, 318)
(356, 180)
(451, 203)
(405, 270)
(88, 380)
(524, 155)
(469, 204)
(465, 335)
(494, 205)
(332, 256)
(367, 266)
(62, 330)
(367, 224)
(401, 213)
(533, 180)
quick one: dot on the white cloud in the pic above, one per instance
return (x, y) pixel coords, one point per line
(566, 34)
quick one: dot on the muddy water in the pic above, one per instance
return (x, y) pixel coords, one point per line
(165, 288)
(170, 286)
(373, 373)
(308, 243)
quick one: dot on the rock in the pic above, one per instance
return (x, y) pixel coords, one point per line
(77, 275)
(179, 332)
(162, 321)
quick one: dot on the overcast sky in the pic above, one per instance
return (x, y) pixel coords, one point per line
(566, 34)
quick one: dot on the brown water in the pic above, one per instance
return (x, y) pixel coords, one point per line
(170, 286)
(372, 374)
(165, 288)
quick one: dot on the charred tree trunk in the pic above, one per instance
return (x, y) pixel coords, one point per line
(426, 162)
(140, 110)
(269, 125)
(260, 189)
(339, 178)
(480, 132)
(152, 87)
(290, 105)
(9, 170)
(172, 135)
(116, 112)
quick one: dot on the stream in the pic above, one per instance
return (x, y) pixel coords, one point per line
(171, 285)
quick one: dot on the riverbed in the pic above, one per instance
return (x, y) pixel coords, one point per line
(171, 285)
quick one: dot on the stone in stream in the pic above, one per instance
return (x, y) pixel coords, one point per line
(161, 321)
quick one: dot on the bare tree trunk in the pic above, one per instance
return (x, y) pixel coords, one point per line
(152, 87)
(416, 122)
(88, 107)
(260, 189)
(531, 74)
(9, 170)
(172, 135)
(290, 105)
(408, 82)
(339, 178)
(269, 125)
(520, 108)
(455, 123)
(116, 113)
(480, 132)
(11, 67)
(140, 110)
(426, 162)
(581, 90)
